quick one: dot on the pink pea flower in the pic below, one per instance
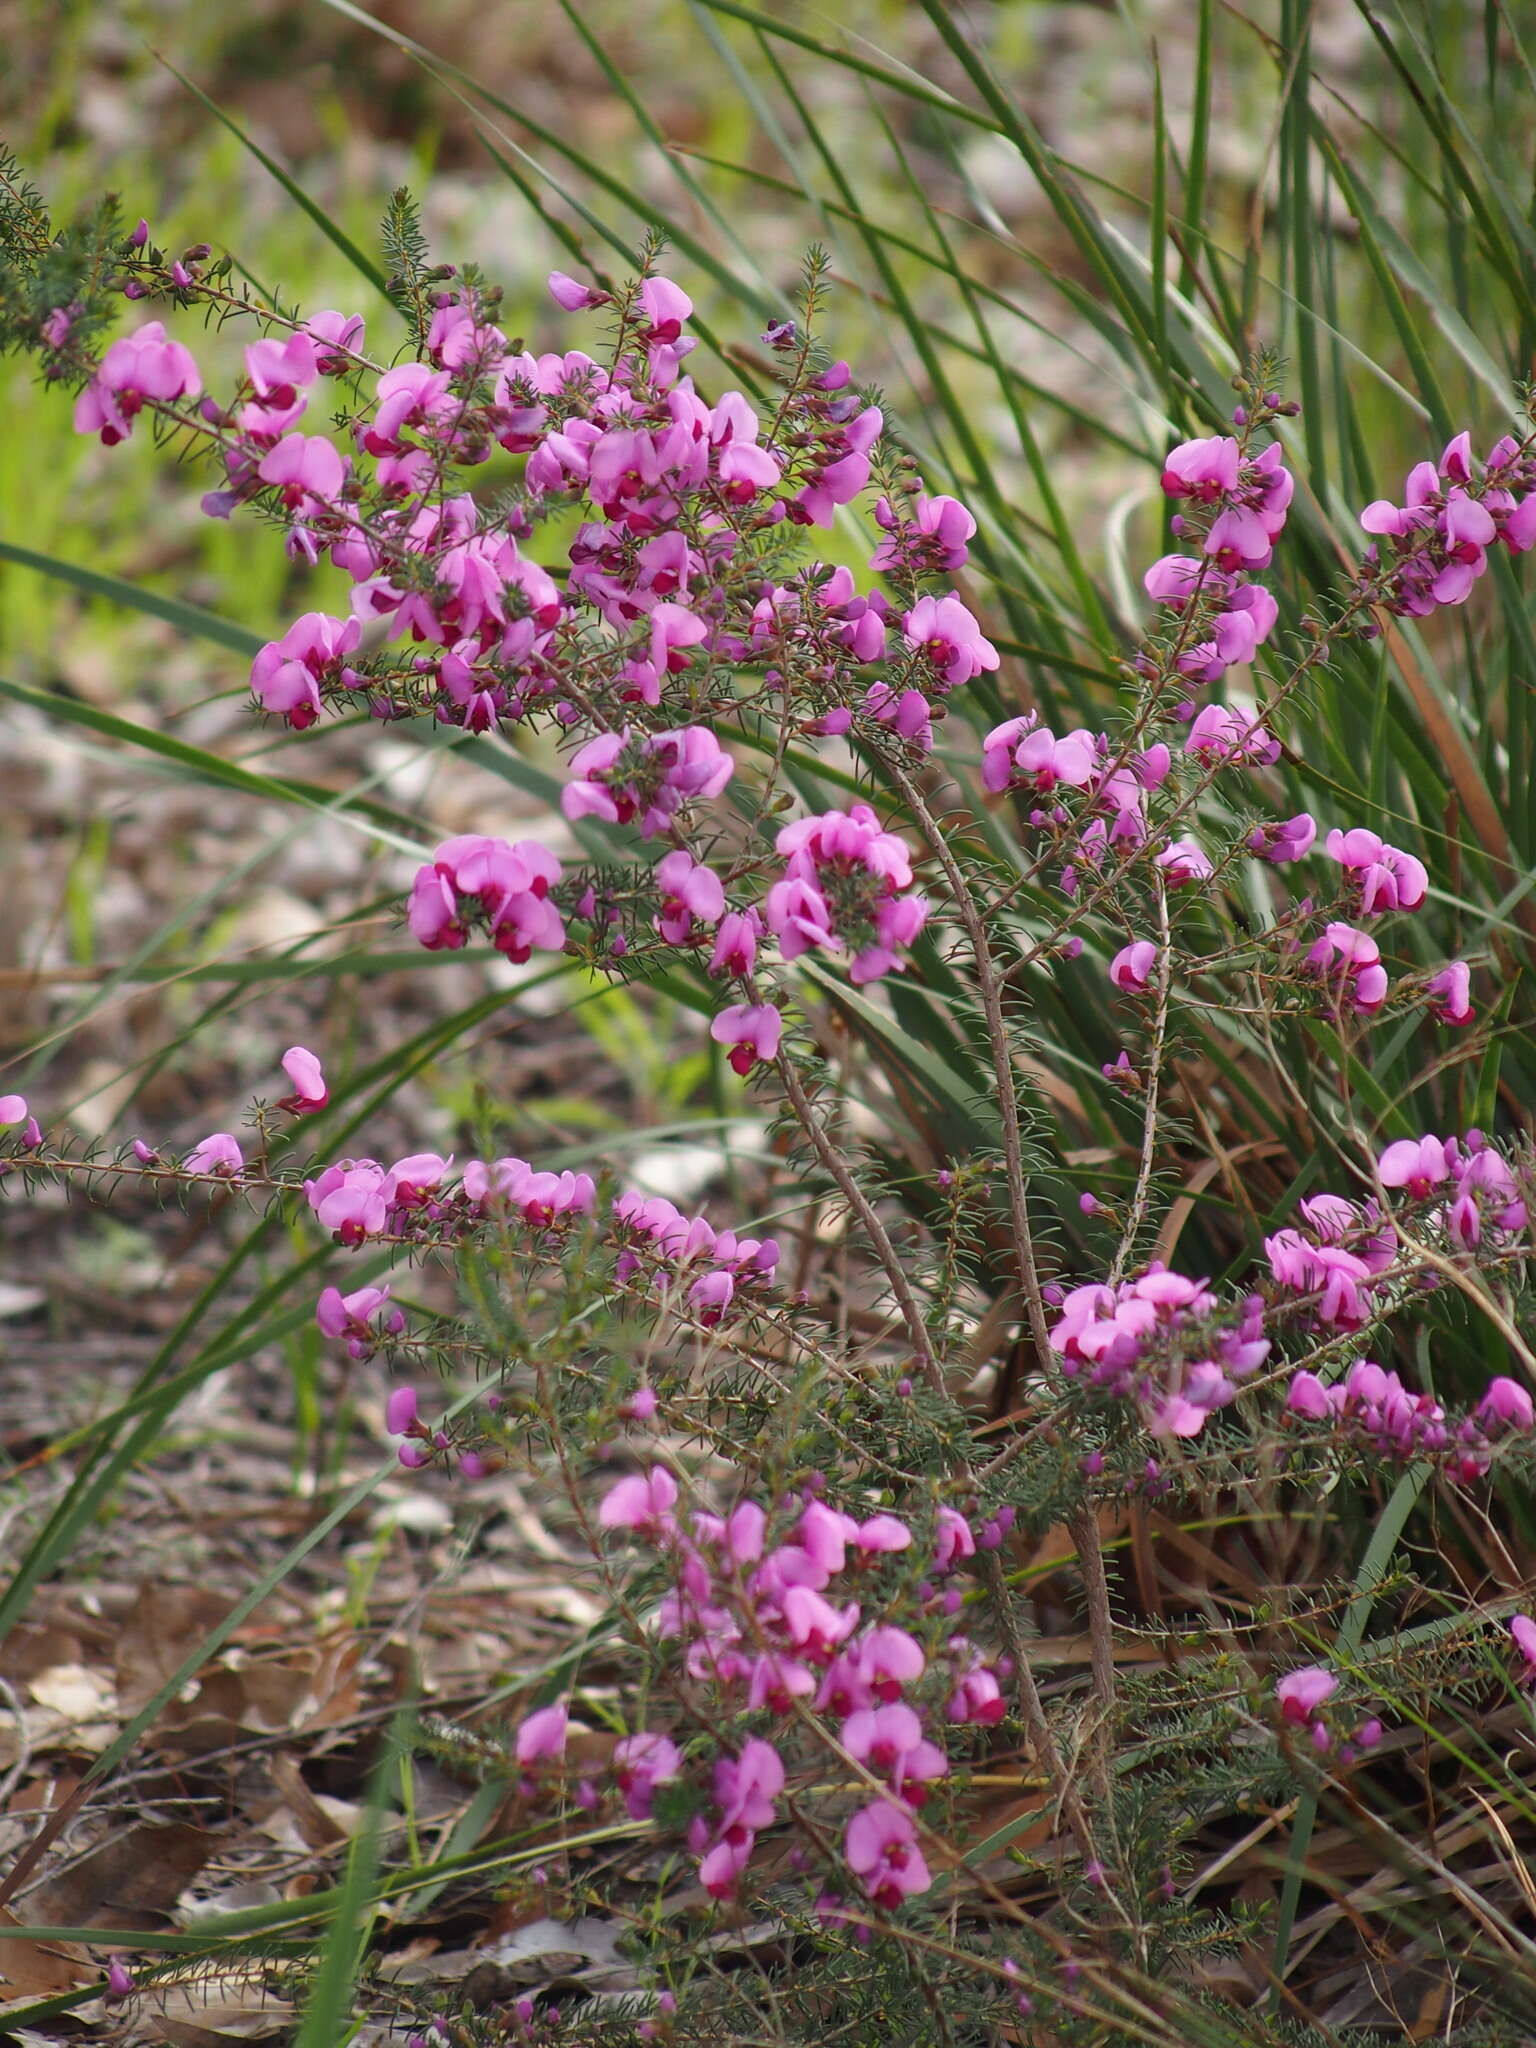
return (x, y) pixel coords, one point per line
(673, 628)
(1450, 993)
(1523, 1629)
(1351, 959)
(1309, 1397)
(309, 1090)
(1220, 734)
(1203, 470)
(351, 1199)
(1301, 1693)
(907, 714)
(643, 1504)
(137, 367)
(1132, 967)
(641, 1763)
(881, 1848)
(751, 1030)
(735, 951)
(747, 1786)
(1182, 861)
(1506, 1405)
(13, 1110)
(541, 1736)
(1289, 839)
(1385, 878)
(286, 674)
(308, 471)
(338, 338)
(1418, 1165)
(354, 1316)
(572, 296)
(931, 540)
(842, 469)
(888, 1659)
(977, 1698)
(882, 1533)
(689, 890)
(1023, 751)
(890, 1740)
(217, 1154)
(279, 370)
(953, 1539)
(400, 1413)
(945, 633)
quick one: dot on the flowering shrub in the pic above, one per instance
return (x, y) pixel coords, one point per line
(815, 1556)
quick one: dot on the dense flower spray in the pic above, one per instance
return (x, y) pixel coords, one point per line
(798, 1531)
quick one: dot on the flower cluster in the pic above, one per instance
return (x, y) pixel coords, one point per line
(846, 887)
(759, 1622)
(1164, 1342)
(1440, 535)
(656, 1237)
(1303, 1694)
(1372, 1406)
(505, 885)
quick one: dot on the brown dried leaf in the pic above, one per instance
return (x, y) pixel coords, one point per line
(131, 1879)
(35, 1969)
(163, 1629)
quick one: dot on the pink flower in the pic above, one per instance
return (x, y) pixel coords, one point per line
(689, 891)
(953, 1539)
(13, 1110)
(1352, 960)
(751, 1030)
(881, 1848)
(1022, 751)
(1132, 967)
(219, 1154)
(746, 1787)
(945, 634)
(735, 951)
(308, 471)
(572, 296)
(846, 855)
(286, 673)
(1309, 1397)
(1183, 861)
(309, 1090)
(890, 1741)
(641, 1763)
(642, 1504)
(507, 883)
(1288, 840)
(338, 338)
(1203, 470)
(355, 1317)
(1385, 878)
(137, 367)
(541, 1737)
(1220, 734)
(1301, 1693)
(617, 777)
(1506, 1404)
(1450, 993)
(882, 1533)
(400, 1413)
(928, 536)
(1417, 1165)
(888, 1659)
(1523, 1629)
